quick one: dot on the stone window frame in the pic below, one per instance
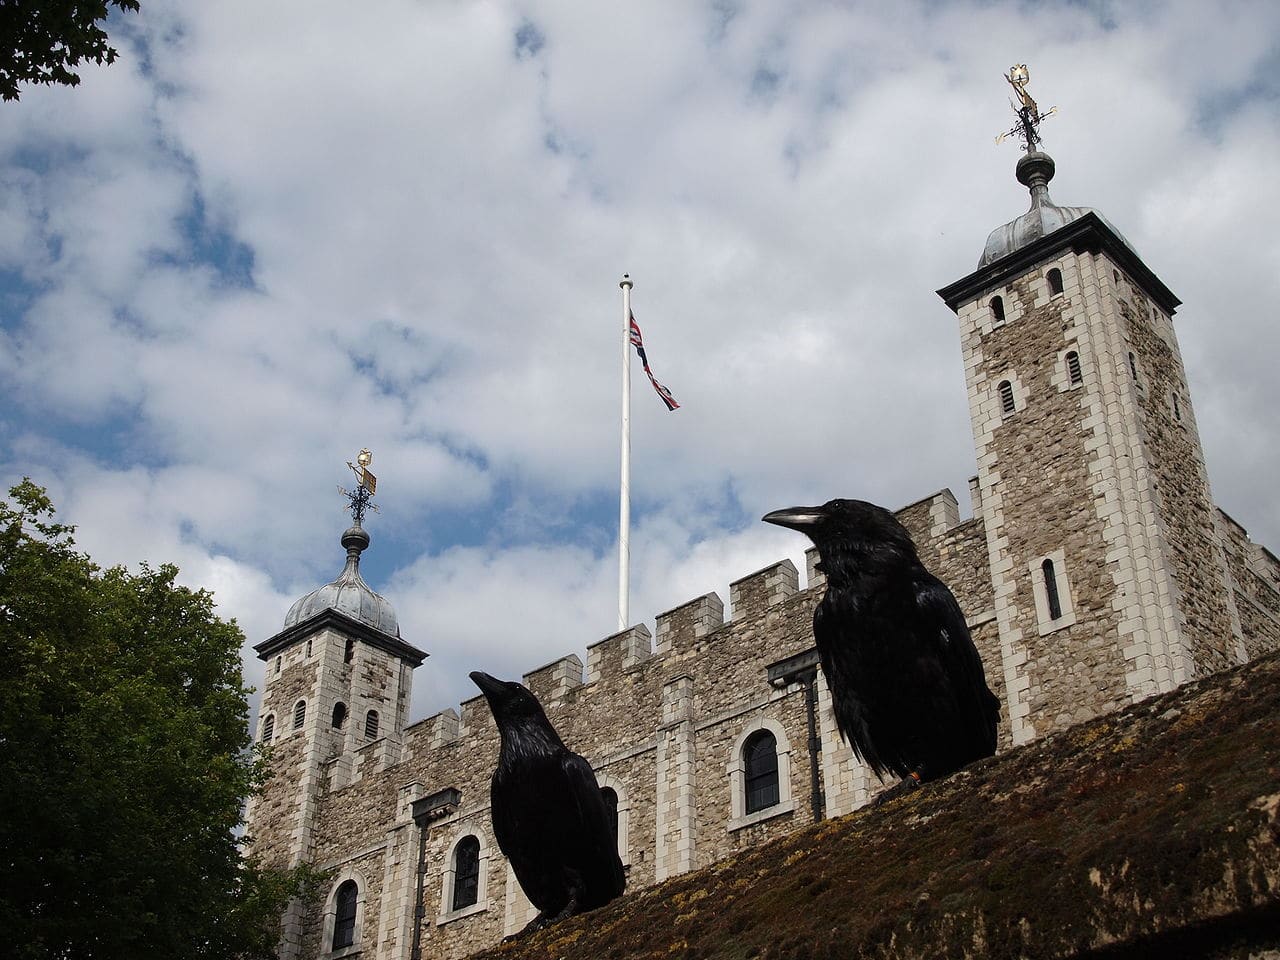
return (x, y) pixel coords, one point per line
(299, 715)
(1045, 624)
(982, 318)
(624, 814)
(1062, 373)
(372, 722)
(340, 715)
(447, 913)
(331, 915)
(1015, 392)
(996, 311)
(738, 816)
(1048, 276)
(268, 722)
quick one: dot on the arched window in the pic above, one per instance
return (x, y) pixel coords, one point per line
(371, 724)
(349, 653)
(279, 660)
(299, 714)
(760, 762)
(466, 872)
(1006, 396)
(997, 309)
(610, 797)
(1133, 366)
(1115, 275)
(1054, 277)
(269, 728)
(308, 648)
(1051, 590)
(1073, 367)
(344, 917)
(339, 715)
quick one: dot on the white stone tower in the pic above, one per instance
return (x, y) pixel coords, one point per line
(338, 684)
(1109, 575)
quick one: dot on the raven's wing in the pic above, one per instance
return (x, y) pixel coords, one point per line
(594, 845)
(842, 666)
(977, 707)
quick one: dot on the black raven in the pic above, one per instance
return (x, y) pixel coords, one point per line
(548, 814)
(906, 681)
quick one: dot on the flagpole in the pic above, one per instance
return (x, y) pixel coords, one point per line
(624, 506)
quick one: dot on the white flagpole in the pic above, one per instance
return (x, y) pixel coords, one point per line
(624, 508)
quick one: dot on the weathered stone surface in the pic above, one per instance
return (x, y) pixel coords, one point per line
(1151, 832)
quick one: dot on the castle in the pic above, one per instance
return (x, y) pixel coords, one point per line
(1095, 571)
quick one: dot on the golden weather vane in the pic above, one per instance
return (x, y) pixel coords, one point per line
(366, 486)
(1029, 115)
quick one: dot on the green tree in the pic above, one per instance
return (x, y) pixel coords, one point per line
(125, 760)
(42, 40)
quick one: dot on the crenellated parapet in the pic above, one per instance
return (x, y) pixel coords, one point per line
(680, 632)
(621, 651)
(553, 681)
(681, 626)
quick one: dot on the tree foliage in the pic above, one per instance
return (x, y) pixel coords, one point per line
(125, 760)
(41, 41)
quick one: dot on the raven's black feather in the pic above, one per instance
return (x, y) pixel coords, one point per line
(549, 817)
(906, 681)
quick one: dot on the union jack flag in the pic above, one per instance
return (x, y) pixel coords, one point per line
(637, 341)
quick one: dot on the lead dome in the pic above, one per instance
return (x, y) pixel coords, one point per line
(348, 594)
(1034, 171)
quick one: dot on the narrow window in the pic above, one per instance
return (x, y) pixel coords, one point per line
(1116, 276)
(1154, 315)
(344, 917)
(466, 872)
(1073, 367)
(760, 759)
(1051, 590)
(1133, 366)
(299, 714)
(371, 724)
(308, 648)
(997, 309)
(269, 728)
(350, 651)
(1006, 396)
(610, 797)
(279, 660)
(339, 715)
(1055, 281)
(1177, 410)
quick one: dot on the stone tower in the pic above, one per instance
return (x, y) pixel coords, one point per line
(1109, 574)
(336, 697)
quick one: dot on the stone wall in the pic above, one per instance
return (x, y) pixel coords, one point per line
(1193, 550)
(1037, 466)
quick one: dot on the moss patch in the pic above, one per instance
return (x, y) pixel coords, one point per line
(1148, 832)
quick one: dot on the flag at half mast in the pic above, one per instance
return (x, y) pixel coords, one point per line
(637, 341)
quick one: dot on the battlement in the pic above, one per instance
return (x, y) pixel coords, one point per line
(557, 678)
(753, 593)
(680, 626)
(618, 652)
(679, 630)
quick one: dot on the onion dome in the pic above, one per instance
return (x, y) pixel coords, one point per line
(348, 594)
(1034, 171)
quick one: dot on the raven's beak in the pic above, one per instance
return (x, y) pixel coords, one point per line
(803, 519)
(490, 686)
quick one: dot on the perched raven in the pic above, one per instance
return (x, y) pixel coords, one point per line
(906, 681)
(548, 814)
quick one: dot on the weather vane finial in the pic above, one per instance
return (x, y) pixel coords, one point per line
(366, 486)
(1029, 115)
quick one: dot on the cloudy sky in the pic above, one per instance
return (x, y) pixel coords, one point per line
(272, 234)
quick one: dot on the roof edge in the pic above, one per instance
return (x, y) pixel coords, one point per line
(332, 618)
(1088, 234)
